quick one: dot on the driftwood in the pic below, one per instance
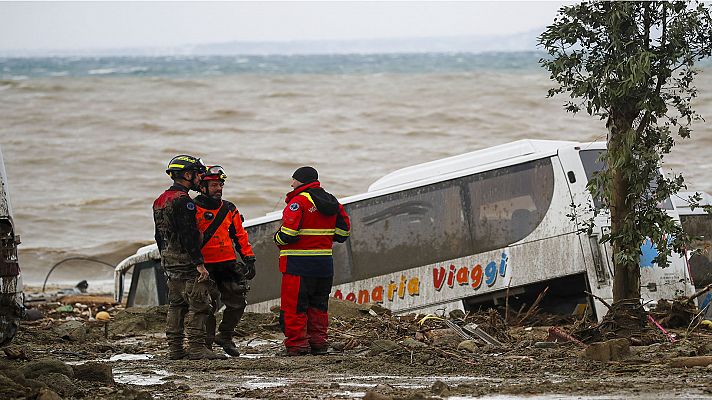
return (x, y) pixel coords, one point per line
(699, 293)
(535, 307)
(599, 299)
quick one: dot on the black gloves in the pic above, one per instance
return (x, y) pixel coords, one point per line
(249, 269)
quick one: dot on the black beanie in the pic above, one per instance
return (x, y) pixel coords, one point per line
(305, 174)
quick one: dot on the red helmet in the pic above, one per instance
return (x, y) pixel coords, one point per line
(214, 173)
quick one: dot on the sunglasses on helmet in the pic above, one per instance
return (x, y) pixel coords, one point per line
(215, 170)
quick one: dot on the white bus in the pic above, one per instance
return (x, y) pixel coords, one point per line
(461, 232)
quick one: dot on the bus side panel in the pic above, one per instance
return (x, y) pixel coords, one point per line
(266, 284)
(452, 280)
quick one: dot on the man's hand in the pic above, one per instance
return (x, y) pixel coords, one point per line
(249, 268)
(204, 275)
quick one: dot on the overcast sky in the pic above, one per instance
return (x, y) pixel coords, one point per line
(81, 25)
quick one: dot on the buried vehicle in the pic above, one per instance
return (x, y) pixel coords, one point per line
(697, 222)
(465, 232)
(11, 297)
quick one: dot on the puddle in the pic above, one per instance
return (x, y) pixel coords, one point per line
(259, 342)
(266, 348)
(116, 357)
(358, 383)
(154, 377)
(263, 382)
(140, 339)
(256, 355)
(348, 393)
(130, 357)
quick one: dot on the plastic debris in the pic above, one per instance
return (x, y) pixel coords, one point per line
(557, 335)
(654, 322)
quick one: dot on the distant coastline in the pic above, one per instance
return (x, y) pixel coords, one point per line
(522, 41)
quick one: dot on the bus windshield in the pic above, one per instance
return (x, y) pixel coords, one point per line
(592, 164)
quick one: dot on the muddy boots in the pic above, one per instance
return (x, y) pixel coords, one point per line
(201, 352)
(224, 339)
(174, 331)
(176, 351)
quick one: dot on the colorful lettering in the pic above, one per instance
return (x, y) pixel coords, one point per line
(391, 290)
(363, 296)
(438, 277)
(401, 287)
(462, 278)
(451, 276)
(377, 294)
(503, 265)
(414, 287)
(491, 273)
(476, 276)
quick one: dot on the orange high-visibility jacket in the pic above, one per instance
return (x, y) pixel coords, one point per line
(229, 239)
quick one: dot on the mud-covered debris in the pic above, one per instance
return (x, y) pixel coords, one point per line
(383, 345)
(626, 319)
(468, 345)
(699, 361)
(11, 388)
(674, 314)
(440, 388)
(46, 366)
(33, 314)
(136, 320)
(59, 383)
(547, 345)
(94, 371)
(47, 394)
(342, 309)
(611, 350)
(444, 337)
(75, 331)
(371, 395)
(88, 299)
(16, 353)
(411, 343)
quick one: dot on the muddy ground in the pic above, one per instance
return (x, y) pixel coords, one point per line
(65, 353)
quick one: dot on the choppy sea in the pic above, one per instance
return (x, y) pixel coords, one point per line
(86, 140)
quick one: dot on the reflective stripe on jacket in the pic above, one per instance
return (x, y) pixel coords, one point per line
(311, 221)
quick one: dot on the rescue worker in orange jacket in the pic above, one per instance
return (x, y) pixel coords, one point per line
(178, 240)
(312, 220)
(220, 224)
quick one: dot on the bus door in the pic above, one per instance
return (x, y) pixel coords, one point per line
(663, 283)
(655, 282)
(578, 166)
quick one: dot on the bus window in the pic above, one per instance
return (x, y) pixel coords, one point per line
(408, 229)
(509, 203)
(144, 286)
(592, 164)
